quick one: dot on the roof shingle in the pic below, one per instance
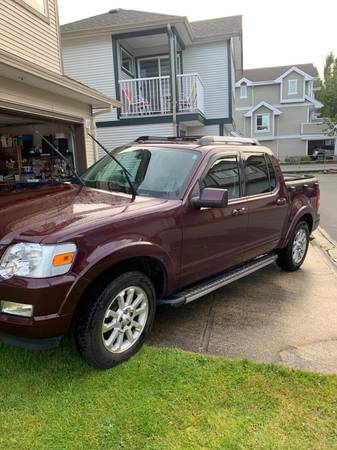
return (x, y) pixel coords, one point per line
(271, 73)
(212, 27)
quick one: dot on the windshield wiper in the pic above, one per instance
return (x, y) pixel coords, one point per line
(125, 170)
(57, 151)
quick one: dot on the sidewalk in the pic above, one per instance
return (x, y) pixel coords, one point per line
(269, 316)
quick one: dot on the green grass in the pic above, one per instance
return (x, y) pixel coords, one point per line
(161, 399)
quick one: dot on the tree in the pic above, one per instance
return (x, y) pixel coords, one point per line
(328, 93)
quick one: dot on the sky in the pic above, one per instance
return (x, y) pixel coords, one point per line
(274, 33)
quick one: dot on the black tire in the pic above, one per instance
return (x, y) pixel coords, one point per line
(286, 259)
(87, 334)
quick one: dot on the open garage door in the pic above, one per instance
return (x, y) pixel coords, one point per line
(27, 159)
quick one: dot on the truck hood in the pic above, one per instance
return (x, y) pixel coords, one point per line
(54, 213)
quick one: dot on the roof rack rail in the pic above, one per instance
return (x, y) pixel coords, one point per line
(207, 140)
(201, 140)
(167, 138)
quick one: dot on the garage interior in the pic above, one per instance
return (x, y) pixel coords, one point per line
(27, 160)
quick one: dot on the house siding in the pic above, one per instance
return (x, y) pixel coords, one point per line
(300, 87)
(24, 34)
(211, 63)
(112, 137)
(89, 61)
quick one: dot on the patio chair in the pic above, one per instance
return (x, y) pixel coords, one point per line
(136, 103)
(189, 102)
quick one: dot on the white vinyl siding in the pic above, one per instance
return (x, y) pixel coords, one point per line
(112, 137)
(90, 62)
(211, 63)
(206, 130)
(24, 34)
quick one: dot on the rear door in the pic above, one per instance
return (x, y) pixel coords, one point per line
(267, 204)
(214, 238)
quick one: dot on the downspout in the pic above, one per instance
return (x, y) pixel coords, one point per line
(172, 73)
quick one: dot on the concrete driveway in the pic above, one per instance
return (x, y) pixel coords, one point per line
(269, 316)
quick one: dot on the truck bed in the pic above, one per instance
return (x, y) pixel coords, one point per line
(298, 180)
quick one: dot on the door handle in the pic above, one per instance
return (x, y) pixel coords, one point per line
(281, 201)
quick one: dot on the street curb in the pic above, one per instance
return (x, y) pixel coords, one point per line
(326, 242)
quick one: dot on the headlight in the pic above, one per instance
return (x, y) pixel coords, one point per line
(36, 260)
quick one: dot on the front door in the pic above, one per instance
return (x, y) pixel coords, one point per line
(214, 238)
(267, 204)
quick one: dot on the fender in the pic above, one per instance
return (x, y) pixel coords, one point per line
(105, 257)
(305, 209)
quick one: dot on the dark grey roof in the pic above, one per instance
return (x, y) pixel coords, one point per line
(120, 18)
(117, 18)
(271, 73)
(212, 27)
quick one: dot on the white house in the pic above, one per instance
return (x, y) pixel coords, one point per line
(173, 77)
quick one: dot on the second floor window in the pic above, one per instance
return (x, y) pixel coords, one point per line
(127, 61)
(292, 87)
(243, 91)
(262, 122)
(38, 5)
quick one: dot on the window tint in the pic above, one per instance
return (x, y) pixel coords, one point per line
(272, 176)
(256, 174)
(224, 174)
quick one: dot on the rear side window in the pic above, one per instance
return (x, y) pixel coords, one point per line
(224, 173)
(272, 176)
(256, 175)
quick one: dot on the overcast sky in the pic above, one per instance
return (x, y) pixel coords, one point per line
(274, 33)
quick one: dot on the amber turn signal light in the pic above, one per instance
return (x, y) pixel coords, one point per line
(63, 259)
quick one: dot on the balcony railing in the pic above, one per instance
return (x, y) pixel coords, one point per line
(313, 128)
(152, 96)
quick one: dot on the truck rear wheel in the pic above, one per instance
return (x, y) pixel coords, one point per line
(293, 255)
(112, 327)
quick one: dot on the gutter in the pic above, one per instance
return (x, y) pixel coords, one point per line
(173, 73)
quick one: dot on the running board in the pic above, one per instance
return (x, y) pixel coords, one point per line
(193, 293)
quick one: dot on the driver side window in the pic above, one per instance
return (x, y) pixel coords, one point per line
(225, 174)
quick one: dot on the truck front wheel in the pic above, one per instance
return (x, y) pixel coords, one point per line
(110, 328)
(293, 255)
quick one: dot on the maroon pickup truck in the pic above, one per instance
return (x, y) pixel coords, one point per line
(161, 221)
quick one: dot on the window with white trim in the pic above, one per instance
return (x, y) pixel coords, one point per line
(292, 87)
(262, 122)
(127, 61)
(38, 5)
(243, 91)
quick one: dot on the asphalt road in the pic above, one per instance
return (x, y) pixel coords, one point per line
(328, 210)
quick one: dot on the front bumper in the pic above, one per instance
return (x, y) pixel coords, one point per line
(47, 296)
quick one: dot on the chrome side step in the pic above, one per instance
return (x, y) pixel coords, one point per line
(212, 284)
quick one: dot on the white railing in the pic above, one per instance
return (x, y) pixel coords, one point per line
(145, 96)
(190, 93)
(152, 96)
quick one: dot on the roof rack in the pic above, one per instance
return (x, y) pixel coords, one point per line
(168, 138)
(201, 140)
(207, 140)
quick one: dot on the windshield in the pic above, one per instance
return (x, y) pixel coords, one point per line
(154, 172)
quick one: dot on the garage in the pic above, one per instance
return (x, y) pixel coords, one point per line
(41, 110)
(27, 149)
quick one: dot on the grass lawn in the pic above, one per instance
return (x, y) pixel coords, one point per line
(161, 399)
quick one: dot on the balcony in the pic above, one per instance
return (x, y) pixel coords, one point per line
(152, 96)
(313, 129)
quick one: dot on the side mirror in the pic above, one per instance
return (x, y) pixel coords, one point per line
(211, 198)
